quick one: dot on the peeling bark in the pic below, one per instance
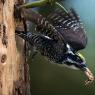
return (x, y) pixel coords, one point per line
(14, 71)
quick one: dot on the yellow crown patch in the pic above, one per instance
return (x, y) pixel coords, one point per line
(80, 55)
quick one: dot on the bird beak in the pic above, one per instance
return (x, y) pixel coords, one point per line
(89, 75)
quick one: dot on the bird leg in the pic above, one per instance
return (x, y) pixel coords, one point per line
(89, 75)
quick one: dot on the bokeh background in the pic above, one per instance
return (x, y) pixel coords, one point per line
(51, 79)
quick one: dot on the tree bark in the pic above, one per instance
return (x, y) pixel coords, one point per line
(14, 72)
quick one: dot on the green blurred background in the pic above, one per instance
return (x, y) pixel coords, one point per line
(51, 79)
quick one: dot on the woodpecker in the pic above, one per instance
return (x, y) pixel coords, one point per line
(54, 51)
(52, 42)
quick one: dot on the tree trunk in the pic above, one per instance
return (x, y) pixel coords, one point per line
(14, 72)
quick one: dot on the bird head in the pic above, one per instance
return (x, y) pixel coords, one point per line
(80, 60)
(75, 60)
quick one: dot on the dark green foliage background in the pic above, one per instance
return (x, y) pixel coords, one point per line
(51, 79)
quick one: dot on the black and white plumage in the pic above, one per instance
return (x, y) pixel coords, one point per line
(54, 51)
(70, 27)
(50, 41)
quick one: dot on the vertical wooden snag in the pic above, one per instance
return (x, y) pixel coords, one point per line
(14, 79)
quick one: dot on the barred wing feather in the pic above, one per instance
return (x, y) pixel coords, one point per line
(70, 27)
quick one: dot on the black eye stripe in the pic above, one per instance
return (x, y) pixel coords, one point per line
(75, 58)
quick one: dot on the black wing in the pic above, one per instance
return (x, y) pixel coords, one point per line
(46, 46)
(43, 25)
(70, 27)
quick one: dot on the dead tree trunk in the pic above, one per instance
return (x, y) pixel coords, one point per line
(14, 79)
